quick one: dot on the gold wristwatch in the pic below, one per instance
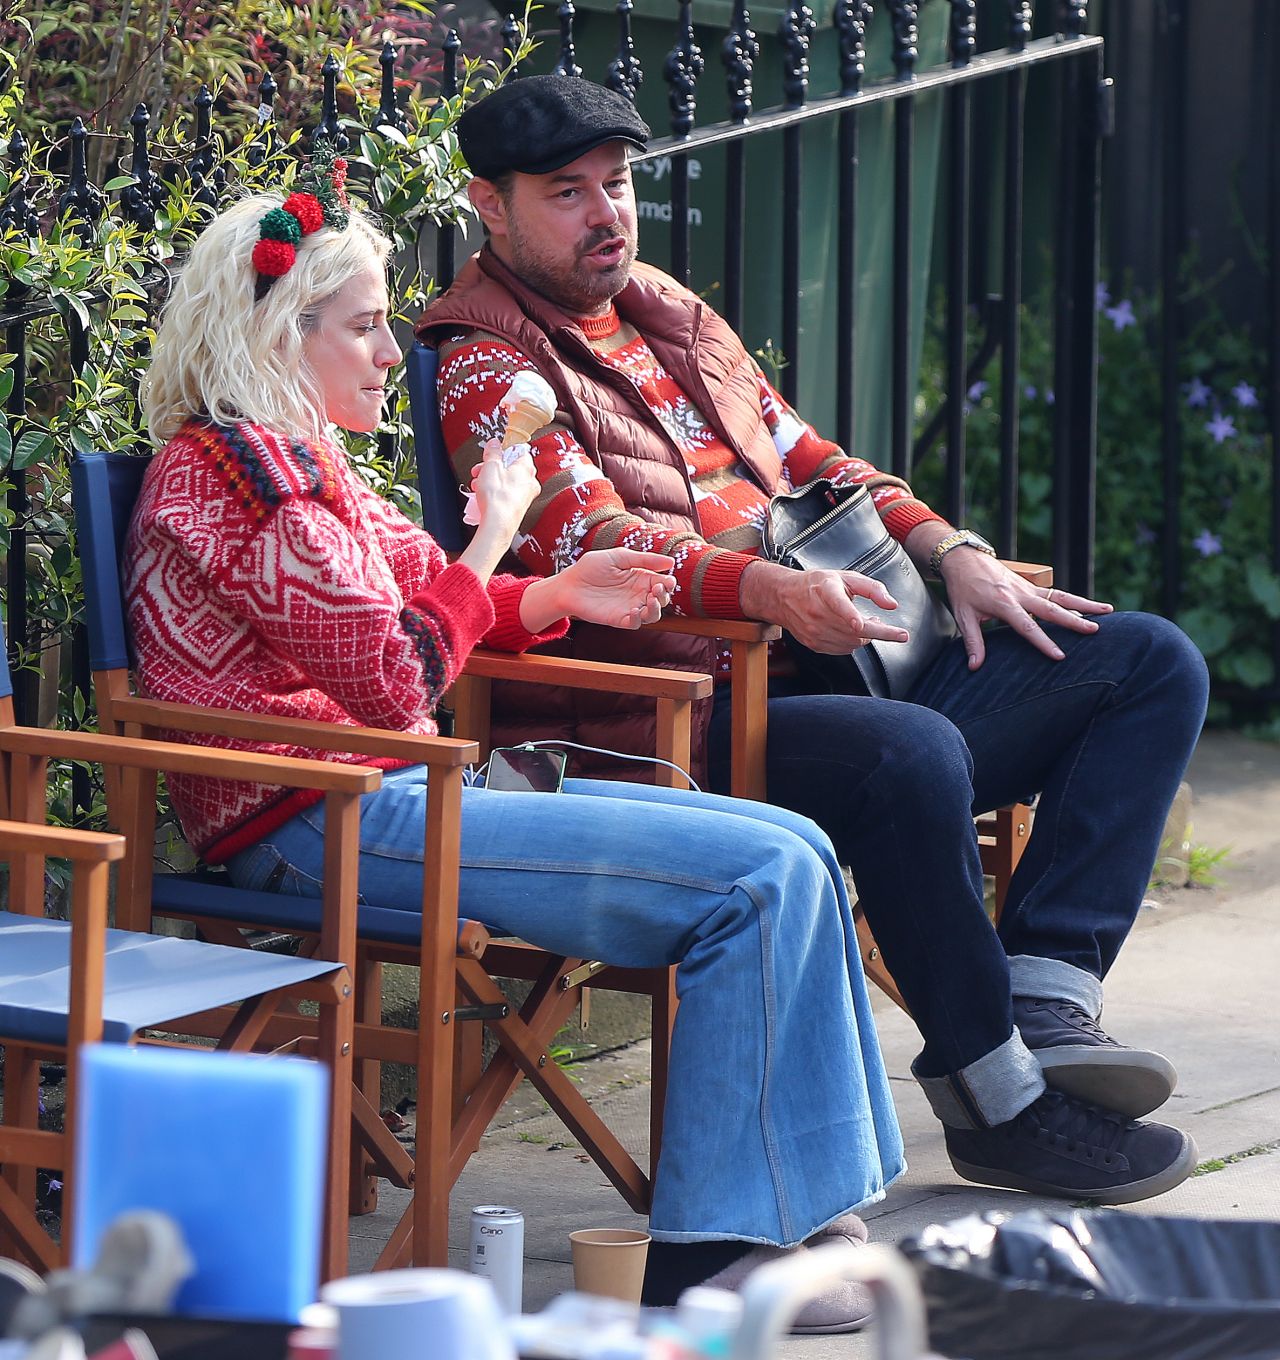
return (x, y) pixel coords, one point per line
(961, 538)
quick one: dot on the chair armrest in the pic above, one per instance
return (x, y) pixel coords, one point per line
(178, 758)
(377, 742)
(1034, 572)
(570, 673)
(727, 630)
(61, 842)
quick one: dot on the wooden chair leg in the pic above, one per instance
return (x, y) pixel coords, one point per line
(664, 1019)
(1012, 831)
(468, 1059)
(873, 961)
(368, 1081)
(21, 1110)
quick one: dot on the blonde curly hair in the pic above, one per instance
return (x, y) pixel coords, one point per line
(224, 354)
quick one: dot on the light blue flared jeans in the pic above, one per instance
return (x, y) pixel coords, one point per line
(778, 1115)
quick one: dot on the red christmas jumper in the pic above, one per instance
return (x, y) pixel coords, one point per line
(262, 575)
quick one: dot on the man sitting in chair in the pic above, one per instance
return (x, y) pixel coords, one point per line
(668, 438)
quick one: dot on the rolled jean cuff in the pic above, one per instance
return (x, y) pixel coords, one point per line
(1000, 1085)
(1053, 980)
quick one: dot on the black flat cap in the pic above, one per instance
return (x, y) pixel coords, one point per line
(540, 123)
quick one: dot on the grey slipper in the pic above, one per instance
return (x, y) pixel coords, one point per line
(843, 1308)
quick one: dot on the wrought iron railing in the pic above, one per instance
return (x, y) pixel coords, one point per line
(1005, 67)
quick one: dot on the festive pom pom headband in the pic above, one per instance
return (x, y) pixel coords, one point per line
(319, 201)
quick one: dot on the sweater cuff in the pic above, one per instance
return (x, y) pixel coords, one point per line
(508, 634)
(457, 595)
(716, 589)
(903, 516)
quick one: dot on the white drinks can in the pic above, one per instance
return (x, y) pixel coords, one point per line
(497, 1252)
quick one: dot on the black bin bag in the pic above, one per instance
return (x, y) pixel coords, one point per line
(1099, 1285)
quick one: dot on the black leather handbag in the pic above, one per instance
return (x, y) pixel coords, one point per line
(825, 525)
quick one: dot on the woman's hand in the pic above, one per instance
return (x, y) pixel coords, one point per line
(617, 587)
(501, 492)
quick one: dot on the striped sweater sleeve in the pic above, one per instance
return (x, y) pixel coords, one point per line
(806, 455)
(577, 507)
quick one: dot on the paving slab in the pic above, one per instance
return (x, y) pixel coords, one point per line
(1196, 980)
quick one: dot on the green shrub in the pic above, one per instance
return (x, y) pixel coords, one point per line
(1230, 597)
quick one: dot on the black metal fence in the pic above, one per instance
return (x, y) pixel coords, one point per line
(998, 63)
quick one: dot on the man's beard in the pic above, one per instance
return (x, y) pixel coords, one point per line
(577, 289)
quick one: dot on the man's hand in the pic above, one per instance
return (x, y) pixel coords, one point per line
(980, 587)
(817, 607)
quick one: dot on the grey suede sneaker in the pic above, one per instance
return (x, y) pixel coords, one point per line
(1062, 1147)
(1079, 1057)
(844, 1308)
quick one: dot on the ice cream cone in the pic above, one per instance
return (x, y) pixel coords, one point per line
(523, 418)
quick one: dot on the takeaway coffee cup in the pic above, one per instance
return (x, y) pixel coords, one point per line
(609, 1261)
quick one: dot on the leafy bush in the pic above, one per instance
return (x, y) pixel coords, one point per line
(1230, 597)
(62, 278)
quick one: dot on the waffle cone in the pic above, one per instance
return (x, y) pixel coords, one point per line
(523, 418)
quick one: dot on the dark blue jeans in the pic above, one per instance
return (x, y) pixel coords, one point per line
(1102, 736)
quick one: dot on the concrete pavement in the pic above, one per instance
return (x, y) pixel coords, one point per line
(1195, 980)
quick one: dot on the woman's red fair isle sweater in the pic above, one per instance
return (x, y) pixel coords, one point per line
(262, 575)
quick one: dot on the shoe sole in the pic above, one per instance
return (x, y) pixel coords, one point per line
(1132, 1082)
(831, 1329)
(1173, 1175)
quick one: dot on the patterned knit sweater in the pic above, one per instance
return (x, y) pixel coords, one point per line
(579, 509)
(262, 575)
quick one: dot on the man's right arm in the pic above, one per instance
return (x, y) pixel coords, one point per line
(578, 509)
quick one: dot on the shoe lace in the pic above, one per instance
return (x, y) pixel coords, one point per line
(1055, 1115)
(1081, 1019)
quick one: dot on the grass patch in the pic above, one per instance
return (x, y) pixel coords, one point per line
(1207, 1168)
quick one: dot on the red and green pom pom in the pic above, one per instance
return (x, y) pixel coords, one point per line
(280, 225)
(307, 210)
(274, 258)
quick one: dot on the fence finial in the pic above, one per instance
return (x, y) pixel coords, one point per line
(17, 212)
(389, 113)
(906, 34)
(1073, 18)
(1020, 15)
(739, 52)
(140, 199)
(851, 18)
(684, 65)
(624, 73)
(449, 71)
(265, 145)
(795, 32)
(328, 128)
(964, 31)
(567, 61)
(511, 44)
(81, 198)
(206, 185)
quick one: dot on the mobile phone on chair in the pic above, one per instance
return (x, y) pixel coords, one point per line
(526, 769)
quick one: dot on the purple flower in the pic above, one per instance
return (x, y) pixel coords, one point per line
(1198, 393)
(1121, 314)
(1029, 391)
(1245, 396)
(1101, 296)
(1221, 427)
(40, 1104)
(1207, 544)
(977, 390)
(1145, 536)
(54, 1183)
(1049, 398)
